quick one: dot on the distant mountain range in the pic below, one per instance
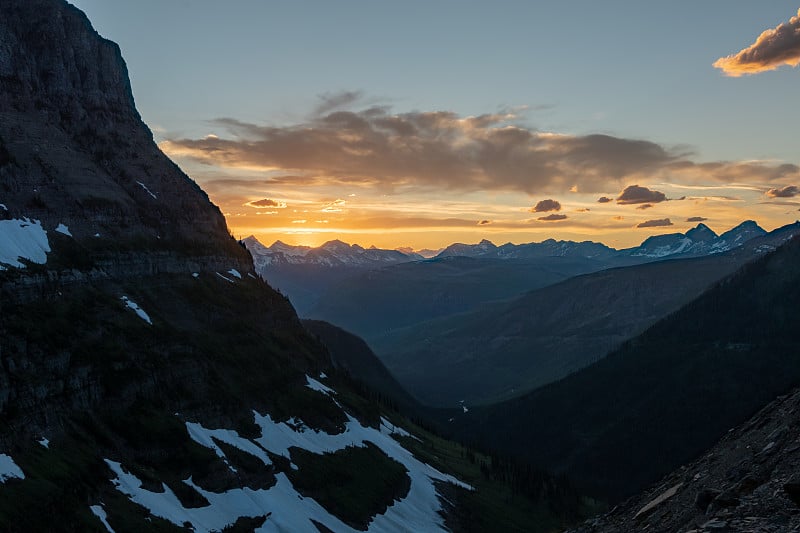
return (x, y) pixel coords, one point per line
(700, 240)
(331, 254)
(307, 274)
(503, 349)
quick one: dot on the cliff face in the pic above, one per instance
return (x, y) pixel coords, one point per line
(74, 151)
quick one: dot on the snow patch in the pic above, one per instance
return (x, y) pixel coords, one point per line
(235, 273)
(287, 509)
(44, 442)
(63, 229)
(3, 207)
(100, 513)
(148, 190)
(9, 469)
(195, 275)
(138, 310)
(205, 437)
(313, 384)
(22, 239)
(229, 280)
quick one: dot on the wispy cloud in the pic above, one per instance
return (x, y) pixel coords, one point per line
(773, 48)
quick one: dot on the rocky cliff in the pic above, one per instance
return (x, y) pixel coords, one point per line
(75, 155)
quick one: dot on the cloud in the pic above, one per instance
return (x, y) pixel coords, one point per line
(773, 48)
(546, 205)
(696, 219)
(655, 223)
(583, 210)
(634, 194)
(441, 150)
(645, 206)
(789, 191)
(484, 222)
(337, 100)
(337, 206)
(266, 202)
(604, 200)
(553, 217)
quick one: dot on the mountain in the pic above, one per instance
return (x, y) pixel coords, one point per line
(304, 273)
(665, 396)
(505, 349)
(698, 241)
(352, 355)
(331, 254)
(149, 381)
(547, 248)
(746, 482)
(376, 302)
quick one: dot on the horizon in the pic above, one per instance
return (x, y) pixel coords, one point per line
(357, 135)
(502, 243)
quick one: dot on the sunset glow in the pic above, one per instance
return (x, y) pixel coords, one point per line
(361, 136)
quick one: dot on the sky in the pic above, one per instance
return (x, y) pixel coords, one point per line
(418, 123)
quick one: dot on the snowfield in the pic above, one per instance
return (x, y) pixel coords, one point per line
(287, 509)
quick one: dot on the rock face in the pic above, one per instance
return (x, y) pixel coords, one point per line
(747, 482)
(74, 151)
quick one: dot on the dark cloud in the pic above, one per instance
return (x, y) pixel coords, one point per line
(790, 191)
(655, 223)
(634, 194)
(484, 222)
(583, 210)
(553, 217)
(773, 48)
(604, 200)
(442, 150)
(546, 205)
(645, 206)
(696, 219)
(266, 202)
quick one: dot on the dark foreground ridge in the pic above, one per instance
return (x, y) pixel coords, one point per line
(149, 380)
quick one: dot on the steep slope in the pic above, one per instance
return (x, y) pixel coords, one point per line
(666, 395)
(149, 381)
(351, 354)
(746, 482)
(504, 350)
(75, 152)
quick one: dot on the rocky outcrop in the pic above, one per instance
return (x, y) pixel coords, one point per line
(747, 482)
(74, 151)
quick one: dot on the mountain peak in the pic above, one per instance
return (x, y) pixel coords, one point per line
(701, 233)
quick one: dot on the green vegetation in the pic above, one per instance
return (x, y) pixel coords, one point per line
(353, 484)
(508, 496)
